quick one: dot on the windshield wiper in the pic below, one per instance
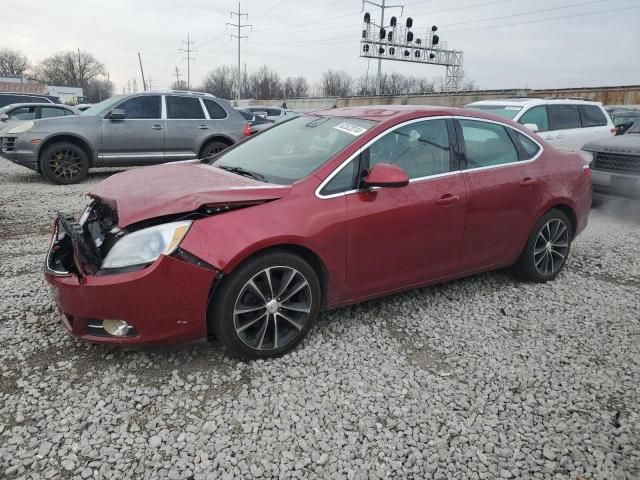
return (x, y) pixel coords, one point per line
(244, 172)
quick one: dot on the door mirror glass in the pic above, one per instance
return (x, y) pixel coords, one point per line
(4, 117)
(532, 126)
(117, 114)
(386, 175)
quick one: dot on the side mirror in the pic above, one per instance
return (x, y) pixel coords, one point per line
(532, 126)
(117, 114)
(4, 117)
(386, 175)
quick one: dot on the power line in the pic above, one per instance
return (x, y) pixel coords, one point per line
(239, 36)
(549, 19)
(531, 12)
(189, 59)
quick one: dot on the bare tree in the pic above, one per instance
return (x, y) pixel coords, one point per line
(179, 85)
(97, 89)
(296, 87)
(265, 84)
(220, 82)
(334, 83)
(69, 69)
(12, 62)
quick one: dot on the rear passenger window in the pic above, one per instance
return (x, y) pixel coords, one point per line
(529, 147)
(537, 115)
(592, 116)
(144, 107)
(184, 108)
(216, 112)
(487, 144)
(49, 112)
(563, 117)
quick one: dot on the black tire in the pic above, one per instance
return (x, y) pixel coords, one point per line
(213, 148)
(64, 163)
(224, 319)
(542, 259)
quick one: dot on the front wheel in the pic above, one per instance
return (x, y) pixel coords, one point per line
(547, 248)
(64, 163)
(267, 306)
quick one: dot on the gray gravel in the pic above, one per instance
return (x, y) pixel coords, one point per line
(481, 378)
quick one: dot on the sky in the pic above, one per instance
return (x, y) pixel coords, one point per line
(506, 43)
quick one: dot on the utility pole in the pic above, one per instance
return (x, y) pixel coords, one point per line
(144, 84)
(240, 26)
(149, 84)
(188, 50)
(382, 8)
(177, 78)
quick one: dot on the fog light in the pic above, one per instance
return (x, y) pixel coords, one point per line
(117, 328)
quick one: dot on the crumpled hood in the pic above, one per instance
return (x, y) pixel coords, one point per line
(149, 192)
(628, 144)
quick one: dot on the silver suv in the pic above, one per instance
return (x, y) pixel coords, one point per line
(125, 130)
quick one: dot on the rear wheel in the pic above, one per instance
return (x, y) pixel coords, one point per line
(267, 306)
(547, 248)
(64, 163)
(213, 148)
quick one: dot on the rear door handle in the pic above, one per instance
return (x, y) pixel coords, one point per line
(203, 127)
(447, 199)
(157, 127)
(528, 182)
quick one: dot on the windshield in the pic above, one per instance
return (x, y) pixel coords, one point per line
(102, 106)
(4, 109)
(506, 111)
(294, 148)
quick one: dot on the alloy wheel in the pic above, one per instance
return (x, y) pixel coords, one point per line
(551, 247)
(65, 163)
(272, 308)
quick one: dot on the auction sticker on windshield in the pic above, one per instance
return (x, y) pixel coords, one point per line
(350, 128)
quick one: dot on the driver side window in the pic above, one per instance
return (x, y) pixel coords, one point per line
(421, 149)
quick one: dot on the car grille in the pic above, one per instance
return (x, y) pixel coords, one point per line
(8, 144)
(620, 163)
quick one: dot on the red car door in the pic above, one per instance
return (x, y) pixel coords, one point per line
(503, 183)
(409, 235)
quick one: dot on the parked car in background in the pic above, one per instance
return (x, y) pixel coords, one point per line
(125, 130)
(257, 124)
(272, 113)
(565, 123)
(9, 98)
(623, 118)
(19, 112)
(615, 165)
(324, 210)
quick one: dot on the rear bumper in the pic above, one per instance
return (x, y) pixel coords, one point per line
(165, 303)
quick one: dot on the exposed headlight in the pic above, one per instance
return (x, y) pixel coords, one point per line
(21, 128)
(145, 246)
(587, 155)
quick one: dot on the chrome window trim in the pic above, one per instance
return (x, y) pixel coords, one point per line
(519, 162)
(367, 145)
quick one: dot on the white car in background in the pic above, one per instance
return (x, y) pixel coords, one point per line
(565, 123)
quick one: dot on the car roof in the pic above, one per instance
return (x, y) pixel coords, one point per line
(185, 93)
(381, 113)
(38, 104)
(528, 101)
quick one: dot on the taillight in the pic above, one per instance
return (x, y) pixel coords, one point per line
(614, 131)
(246, 131)
(587, 170)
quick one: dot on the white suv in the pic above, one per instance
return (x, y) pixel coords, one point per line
(565, 123)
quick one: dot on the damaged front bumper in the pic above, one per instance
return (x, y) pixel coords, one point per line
(163, 303)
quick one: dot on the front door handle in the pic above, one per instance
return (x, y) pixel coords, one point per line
(203, 127)
(157, 127)
(447, 199)
(528, 182)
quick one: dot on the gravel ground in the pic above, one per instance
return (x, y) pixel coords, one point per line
(479, 378)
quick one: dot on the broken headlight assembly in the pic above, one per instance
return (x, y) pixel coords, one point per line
(145, 246)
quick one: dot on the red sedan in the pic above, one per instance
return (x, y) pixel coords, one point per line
(323, 210)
